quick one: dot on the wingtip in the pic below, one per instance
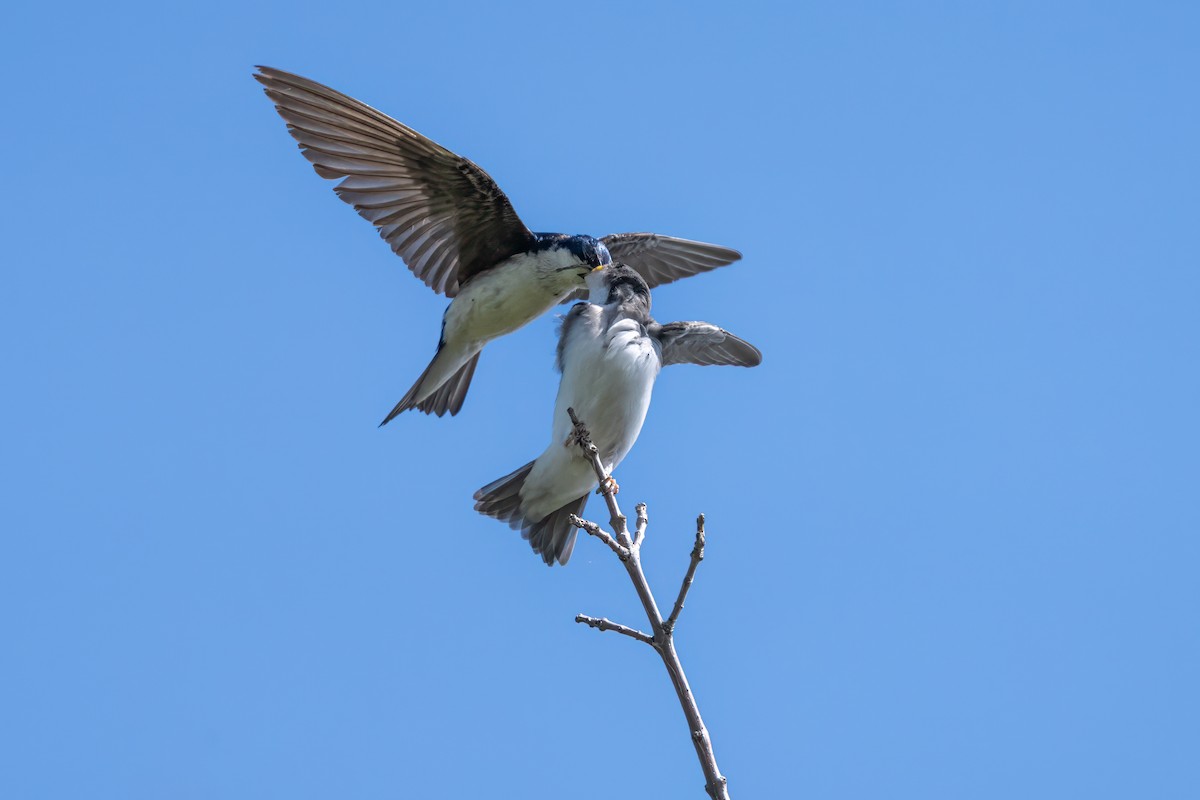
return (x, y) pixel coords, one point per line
(265, 76)
(396, 411)
(757, 356)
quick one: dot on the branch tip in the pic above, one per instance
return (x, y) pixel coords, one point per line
(697, 557)
(639, 532)
(604, 624)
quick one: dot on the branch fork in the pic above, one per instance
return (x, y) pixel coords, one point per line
(628, 549)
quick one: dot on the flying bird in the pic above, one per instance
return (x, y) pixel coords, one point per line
(609, 352)
(458, 232)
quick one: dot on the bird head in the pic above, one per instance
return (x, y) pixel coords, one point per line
(585, 253)
(590, 250)
(617, 282)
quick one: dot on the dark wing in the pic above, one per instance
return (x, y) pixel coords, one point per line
(663, 259)
(704, 344)
(566, 323)
(441, 213)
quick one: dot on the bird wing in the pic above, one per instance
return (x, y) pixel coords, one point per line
(704, 344)
(441, 213)
(567, 324)
(663, 259)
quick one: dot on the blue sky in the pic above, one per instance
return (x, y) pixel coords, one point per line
(953, 520)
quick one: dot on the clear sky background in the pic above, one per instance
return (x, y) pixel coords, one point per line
(954, 524)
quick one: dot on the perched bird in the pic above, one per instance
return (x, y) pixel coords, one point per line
(458, 232)
(609, 352)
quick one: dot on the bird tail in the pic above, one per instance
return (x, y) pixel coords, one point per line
(552, 537)
(448, 396)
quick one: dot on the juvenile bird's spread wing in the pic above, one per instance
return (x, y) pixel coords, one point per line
(704, 344)
(441, 213)
(663, 259)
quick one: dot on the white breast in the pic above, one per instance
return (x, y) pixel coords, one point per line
(509, 295)
(607, 378)
(608, 381)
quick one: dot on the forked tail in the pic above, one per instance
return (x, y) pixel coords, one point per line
(447, 397)
(552, 537)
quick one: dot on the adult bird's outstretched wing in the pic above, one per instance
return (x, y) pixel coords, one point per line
(704, 344)
(441, 213)
(663, 259)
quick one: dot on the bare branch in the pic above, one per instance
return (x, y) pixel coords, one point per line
(604, 624)
(639, 532)
(663, 642)
(608, 486)
(697, 557)
(601, 534)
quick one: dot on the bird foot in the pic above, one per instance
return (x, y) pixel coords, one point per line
(609, 483)
(578, 436)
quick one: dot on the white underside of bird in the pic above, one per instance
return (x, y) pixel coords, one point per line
(496, 302)
(607, 378)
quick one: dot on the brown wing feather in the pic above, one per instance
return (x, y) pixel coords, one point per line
(663, 259)
(704, 344)
(441, 213)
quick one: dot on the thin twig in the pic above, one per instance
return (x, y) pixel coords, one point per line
(619, 523)
(697, 557)
(639, 532)
(663, 641)
(601, 534)
(604, 624)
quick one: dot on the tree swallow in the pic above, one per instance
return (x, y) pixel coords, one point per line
(458, 232)
(609, 352)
